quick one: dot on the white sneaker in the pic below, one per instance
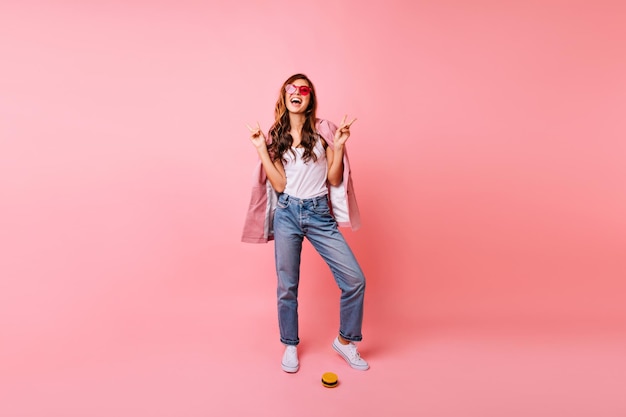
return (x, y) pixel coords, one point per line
(350, 353)
(290, 359)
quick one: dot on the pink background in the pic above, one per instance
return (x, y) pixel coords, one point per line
(488, 160)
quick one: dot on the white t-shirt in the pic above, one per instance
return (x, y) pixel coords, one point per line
(306, 180)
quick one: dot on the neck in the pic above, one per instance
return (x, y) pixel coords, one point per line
(296, 120)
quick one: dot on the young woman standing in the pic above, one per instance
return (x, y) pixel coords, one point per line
(304, 161)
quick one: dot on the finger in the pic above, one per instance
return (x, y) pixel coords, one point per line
(343, 121)
(352, 121)
(250, 128)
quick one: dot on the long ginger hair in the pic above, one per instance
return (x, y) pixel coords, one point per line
(281, 139)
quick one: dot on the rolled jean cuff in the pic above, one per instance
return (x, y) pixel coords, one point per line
(290, 342)
(351, 338)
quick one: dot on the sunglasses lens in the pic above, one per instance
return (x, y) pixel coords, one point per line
(304, 90)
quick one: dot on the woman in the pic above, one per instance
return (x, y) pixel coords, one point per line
(305, 161)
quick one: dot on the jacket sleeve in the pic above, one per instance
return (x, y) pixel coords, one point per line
(342, 197)
(257, 227)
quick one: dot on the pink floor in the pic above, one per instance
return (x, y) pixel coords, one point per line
(206, 357)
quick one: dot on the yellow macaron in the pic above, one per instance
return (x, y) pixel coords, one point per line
(329, 380)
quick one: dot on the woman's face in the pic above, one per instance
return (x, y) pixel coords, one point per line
(296, 98)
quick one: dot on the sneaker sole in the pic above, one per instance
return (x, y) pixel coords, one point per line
(290, 369)
(353, 366)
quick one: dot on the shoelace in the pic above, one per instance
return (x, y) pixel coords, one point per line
(291, 353)
(354, 353)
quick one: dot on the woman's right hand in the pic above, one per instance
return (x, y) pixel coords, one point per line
(257, 137)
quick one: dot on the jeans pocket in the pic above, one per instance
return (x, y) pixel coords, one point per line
(283, 202)
(322, 208)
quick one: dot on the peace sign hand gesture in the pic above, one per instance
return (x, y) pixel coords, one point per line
(343, 132)
(257, 138)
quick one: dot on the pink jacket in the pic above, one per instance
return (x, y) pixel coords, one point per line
(258, 227)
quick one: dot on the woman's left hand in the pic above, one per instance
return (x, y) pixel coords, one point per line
(343, 132)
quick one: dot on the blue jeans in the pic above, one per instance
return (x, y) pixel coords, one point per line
(294, 220)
